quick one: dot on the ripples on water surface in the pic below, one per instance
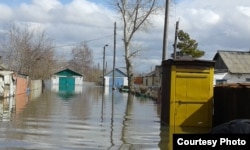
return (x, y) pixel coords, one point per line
(76, 121)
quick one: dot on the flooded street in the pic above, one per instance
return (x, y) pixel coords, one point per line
(90, 119)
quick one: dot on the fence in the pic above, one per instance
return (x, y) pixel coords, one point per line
(231, 101)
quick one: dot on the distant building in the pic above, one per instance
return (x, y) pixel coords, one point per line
(120, 78)
(153, 79)
(138, 80)
(231, 67)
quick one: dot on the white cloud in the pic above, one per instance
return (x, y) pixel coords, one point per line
(6, 12)
(245, 10)
(214, 24)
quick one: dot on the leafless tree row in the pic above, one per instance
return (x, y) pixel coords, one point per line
(28, 51)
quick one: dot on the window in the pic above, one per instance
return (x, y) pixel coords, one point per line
(221, 81)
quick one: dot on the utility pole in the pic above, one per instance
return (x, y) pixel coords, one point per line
(113, 82)
(175, 37)
(165, 34)
(103, 71)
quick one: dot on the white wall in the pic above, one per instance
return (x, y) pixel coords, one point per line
(36, 84)
(237, 78)
(232, 78)
(78, 80)
(7, 87)
(106, 81)
(125, 81)
(219, 76)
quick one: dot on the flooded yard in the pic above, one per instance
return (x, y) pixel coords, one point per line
(93, 118)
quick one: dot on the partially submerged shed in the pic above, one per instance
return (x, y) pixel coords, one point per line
(66, 80)
(7, 84)
(120, 78)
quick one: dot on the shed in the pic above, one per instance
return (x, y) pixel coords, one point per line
(187, 93)
(7, 84)
(120, 76)
(66, 80)
(232, 67)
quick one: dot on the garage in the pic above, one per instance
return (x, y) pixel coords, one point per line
(66, 80)
(120, 76)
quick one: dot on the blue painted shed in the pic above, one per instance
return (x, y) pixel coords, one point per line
(120, 78)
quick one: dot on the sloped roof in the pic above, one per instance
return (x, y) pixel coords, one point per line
(67, 71)
(152, 73)
(236, 61)
(117, 73)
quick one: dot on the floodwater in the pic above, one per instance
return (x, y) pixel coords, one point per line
(90, 119)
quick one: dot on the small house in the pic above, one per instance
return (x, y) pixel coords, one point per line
(232, 67)
(66, 80)
(120, 78)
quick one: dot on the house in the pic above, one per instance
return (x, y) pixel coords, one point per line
(153, 79)
(120, 78)
(67, 80)
(232, 67)
(7, 84)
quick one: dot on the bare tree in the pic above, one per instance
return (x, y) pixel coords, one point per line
(135, 16)
(28, 51)
(82, 60)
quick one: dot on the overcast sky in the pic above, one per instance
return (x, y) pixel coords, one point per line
(214, 24)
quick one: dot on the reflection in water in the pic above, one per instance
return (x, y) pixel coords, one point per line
(112, 123)
(7, 106)
(66, 95)
(10, 106)
(92, 119)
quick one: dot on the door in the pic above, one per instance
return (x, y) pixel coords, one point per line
(192, 100)
(67, 84)
(118, 82)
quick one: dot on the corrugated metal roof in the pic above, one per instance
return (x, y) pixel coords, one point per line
(236, 61)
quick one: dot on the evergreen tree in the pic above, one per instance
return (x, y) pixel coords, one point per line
(188, 46)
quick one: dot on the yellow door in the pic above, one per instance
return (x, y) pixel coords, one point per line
(192, 104)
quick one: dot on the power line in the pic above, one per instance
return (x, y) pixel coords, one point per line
(100, 38)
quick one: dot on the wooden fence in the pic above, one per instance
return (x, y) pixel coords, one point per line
(231, 101)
